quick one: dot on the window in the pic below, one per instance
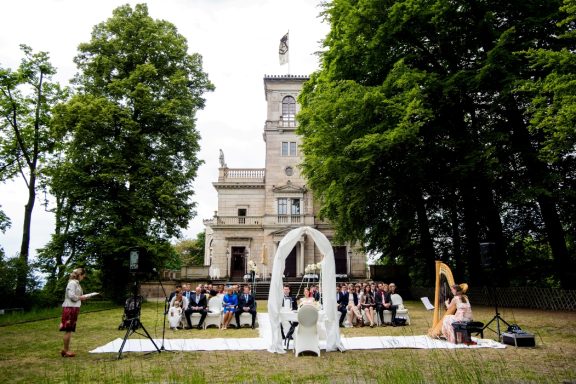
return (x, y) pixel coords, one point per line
(288, 148)
(283, 206)
(288, 108)
(295, 210)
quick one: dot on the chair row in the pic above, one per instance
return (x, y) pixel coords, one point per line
(213, 317)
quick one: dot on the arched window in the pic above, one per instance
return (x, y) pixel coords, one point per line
(288, 108)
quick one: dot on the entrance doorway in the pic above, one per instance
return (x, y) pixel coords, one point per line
(237, 262)
(340, 260)
(290, 266)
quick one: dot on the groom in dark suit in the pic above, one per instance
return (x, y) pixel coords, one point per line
(246, 303)
(342, 300)
(196, 304)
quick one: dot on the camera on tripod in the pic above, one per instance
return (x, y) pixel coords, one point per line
(133, 305)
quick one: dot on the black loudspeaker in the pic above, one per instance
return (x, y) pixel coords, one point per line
(134, 260)
(487, 253)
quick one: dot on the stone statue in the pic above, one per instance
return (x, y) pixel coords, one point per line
(222, 162)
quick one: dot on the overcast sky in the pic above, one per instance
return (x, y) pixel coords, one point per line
(238, 40)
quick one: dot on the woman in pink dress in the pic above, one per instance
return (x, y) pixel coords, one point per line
(463, 311)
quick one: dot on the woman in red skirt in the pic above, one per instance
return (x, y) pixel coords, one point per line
(73, 298)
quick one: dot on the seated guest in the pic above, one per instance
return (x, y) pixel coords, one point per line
(385, 300)
(175, 292)
(246, 303)
(175, 311)
(288, 304)
(307, 299)
(196, 304)
(343, 299)
(288, 301)
(367, 304)
(211, 291)
(463, 309)
(315, 292)
(354, 314)
(229, 303)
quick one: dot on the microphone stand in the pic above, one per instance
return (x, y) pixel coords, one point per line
(165, 310)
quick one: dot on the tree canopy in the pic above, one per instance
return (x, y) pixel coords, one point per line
(27, 96)
(434, 126)
(125, 176)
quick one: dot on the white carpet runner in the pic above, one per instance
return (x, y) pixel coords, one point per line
(263, 342)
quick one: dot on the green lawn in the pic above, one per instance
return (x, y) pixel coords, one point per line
(29, 353)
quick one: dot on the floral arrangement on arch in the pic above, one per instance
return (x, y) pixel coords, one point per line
(311, 268)
(252, 267)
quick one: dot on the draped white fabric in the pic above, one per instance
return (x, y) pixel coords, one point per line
(333, 341)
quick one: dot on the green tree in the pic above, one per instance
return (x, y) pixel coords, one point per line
(131, 145)
(191, 251)
(414, 137)
(27, 97)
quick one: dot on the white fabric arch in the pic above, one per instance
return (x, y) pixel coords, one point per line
(276, 294)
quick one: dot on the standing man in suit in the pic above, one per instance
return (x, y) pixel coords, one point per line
(246, 303)
(197, 304)
(342, 300)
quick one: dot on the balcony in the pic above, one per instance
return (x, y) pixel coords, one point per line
(238, 220)
(289, 219)
(241, 175)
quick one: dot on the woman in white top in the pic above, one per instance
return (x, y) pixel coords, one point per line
(73, 298)
(308, 299)
(463, 311)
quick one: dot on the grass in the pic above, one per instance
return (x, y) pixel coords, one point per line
(29, 353)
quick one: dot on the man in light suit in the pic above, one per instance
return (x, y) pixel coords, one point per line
(196, 304)
(246, 303)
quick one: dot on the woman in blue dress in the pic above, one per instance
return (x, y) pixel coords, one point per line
(229, 304)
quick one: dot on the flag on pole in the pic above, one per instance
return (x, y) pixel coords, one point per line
(283, 50)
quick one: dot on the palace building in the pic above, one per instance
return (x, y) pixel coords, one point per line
(258, 206)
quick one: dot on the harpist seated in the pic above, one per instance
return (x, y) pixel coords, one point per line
(463, 311)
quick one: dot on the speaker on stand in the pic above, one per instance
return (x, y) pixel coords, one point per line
(487, 257)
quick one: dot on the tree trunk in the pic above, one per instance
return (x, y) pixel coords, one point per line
(538, 175)
(470, 204)
(426, 244)
(22, 280)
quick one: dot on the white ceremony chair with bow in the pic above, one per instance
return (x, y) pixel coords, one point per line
(401, 312)
(306, 334)
(214, 316)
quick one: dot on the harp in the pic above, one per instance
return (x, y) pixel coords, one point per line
(444, 280)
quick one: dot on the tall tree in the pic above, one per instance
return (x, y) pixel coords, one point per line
(131, 156)
(413, 122)
(27, 97)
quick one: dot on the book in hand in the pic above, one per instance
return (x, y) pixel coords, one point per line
(89, 295)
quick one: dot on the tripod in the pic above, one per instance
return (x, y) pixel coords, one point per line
(132, 322)
(497, 318)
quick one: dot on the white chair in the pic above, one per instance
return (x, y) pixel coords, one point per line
(214, 316)
(175, 317)
(306, 334)
(401, 312)
(386, 313)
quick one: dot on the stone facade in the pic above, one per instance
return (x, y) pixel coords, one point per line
(257, 207)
